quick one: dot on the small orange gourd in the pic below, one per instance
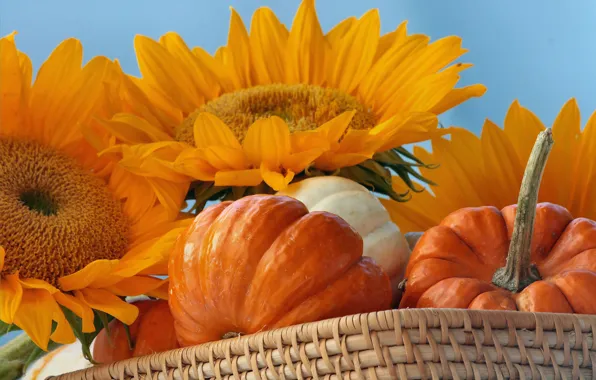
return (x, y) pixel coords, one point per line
(263, 262)
(527, 257)
(152, 331)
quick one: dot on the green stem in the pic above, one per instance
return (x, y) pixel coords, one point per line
(13, 356)
(518, 271)
(16, 355)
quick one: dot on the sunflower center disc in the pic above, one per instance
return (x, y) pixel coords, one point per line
(303, 107)
(55, 217)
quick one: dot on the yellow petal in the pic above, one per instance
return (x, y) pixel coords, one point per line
(201, 78)
(335, 128)
(131, 129)
(276, 180)
(268, 39)
(167, 74)
(355, 52)
(339, 31)
(500, 160)
(583, 203)
(11, 293)
(107, 302)
(209, 130)
(522, 127)
(251, 177)
(307, 47)
(93, 272)
(170, 194)
(333, 160)
(299, 161)
(387, 41)
(192, 162)
(33, 283)
(81, 309)
(372, 87)
(35, 315)
(63, 333)
(267, 140)
(2, 256)
(239, 50)
(415, 128)
(225, 158)
(566, 133)
(457, 96)
(135, 286)
(12, 86)
(162, 292)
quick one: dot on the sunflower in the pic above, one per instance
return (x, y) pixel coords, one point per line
(274, 105)
(71, 245)
(487, 170)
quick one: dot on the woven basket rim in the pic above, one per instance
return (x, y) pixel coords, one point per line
(331, 329)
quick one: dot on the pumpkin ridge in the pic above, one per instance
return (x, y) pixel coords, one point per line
(284, 251)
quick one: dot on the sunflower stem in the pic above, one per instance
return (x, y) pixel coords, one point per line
(14, 355)
(519, 272)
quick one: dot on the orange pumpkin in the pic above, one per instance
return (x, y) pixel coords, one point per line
(263, 262)
(524, 257)
(152, 331)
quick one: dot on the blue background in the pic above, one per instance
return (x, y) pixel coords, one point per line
(541, 52)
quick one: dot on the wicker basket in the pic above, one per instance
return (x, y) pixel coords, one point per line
(396, 344)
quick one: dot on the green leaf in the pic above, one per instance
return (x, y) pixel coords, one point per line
(86, 339)
(204, 192)
(128, 337)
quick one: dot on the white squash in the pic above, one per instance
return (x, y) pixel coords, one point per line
(359, 207)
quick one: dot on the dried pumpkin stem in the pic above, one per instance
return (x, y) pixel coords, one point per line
(518, 271)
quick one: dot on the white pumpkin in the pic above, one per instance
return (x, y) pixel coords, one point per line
(359, 207)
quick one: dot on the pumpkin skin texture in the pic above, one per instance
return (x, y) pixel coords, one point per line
(355, 204)
(264, 262)
(452, 265)
(152, 331)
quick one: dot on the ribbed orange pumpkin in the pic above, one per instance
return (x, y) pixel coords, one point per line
(263, 262)
(152, 331)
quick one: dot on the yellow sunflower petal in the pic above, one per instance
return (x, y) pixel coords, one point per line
(268, 38)
(209, 130)
(238, 48)
(501, 161)
(63, 333)
(339, 31)
(12, 84)
(159, 66)
(522, 127)
(11, 294)
(93, 272)
(162, 292)
(203, 82)
(276, 180)
(131, 129)
(391, 39)
(225, 158)
(2, 257)
(250, 177)
(33, 283)
(355, 53)
(415, 128)
(267, 140)
(82, 310)
(340, 160)
(107, 302)
(35, 315)
(563, 156)
(192, 162)
(307, 48)
(457, 96)
(170, 194)
(335, 128)
(584, 172)
(135, 286)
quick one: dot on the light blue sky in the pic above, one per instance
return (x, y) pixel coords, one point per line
(541, 52)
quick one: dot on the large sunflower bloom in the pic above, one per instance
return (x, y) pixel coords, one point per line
(487, 170)
(70, 245)
(274, 102)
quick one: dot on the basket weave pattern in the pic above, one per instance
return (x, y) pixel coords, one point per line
(396, 344)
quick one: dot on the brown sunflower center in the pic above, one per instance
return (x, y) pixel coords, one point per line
(303, 107)
(55, 217)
